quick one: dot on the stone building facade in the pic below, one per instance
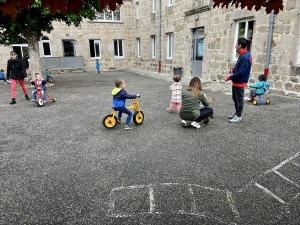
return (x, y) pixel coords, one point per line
(161, 35)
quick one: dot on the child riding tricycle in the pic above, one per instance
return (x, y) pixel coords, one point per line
(39, 94)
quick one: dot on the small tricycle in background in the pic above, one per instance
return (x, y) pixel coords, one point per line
(260, 100)
(110, 121)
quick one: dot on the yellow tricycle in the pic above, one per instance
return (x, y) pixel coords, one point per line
(110, 121)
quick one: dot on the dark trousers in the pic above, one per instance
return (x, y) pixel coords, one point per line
(205, 113)
(238, 99)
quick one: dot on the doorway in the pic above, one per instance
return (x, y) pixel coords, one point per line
(197, 52)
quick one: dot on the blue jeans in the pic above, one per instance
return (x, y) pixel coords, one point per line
(4, 79)
(33, 93)
(48, 78)
(238, 99)
(126, 111)
(98, 70)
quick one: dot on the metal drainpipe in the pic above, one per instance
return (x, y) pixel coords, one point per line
(159, 35)
(269, 44)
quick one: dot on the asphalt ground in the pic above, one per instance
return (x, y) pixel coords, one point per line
(60, 165)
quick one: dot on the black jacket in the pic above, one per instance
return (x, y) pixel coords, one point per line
(26, 62)
(15, 69)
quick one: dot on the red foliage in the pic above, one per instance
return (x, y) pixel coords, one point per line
(12, 7)
(275, 5)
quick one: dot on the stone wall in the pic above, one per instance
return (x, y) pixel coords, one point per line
(181, 18)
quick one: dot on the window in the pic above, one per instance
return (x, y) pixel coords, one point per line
(153, 46)
(169, 45)
(21, 48)
(170, 2)
(108, 15)
(153, 6)
(244, 29)
(137, 10)
(68, 47)
(118, 48)
(46, 46)
(138, 41)
(95, 51)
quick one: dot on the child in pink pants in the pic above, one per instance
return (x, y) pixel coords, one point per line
(176, 88)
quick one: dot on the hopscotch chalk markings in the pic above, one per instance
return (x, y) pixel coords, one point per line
(190, 188)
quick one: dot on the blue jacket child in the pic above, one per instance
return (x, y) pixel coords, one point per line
(119, 100)
(2, 77)
(260, 87)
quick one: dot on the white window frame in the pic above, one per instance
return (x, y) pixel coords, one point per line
(21, 47)
(235, 57)
(118, 48)
(137, 10)
(47, 41)
(171, 2)
(153, 6)
(138, 42)
(153, 46)
(298, 58)
(170, 45)
(112, 15)
(95, 41)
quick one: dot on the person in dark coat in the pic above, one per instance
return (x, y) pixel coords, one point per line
(26, 63)
(16, 72)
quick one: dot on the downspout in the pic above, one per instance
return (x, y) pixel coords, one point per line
(159, 35)
(269, 44)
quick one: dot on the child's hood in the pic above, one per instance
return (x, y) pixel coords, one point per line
(115, 91)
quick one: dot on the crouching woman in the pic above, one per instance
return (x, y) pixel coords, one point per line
(190, 101)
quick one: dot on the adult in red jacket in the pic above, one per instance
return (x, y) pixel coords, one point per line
(16, 72)
(240, 76)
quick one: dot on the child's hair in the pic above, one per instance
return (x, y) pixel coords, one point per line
(177, 78)
(97, 60)
(36, 74)
(118, 82)
(262, 77)
(13, 53)
(48, 68)
(2, 70)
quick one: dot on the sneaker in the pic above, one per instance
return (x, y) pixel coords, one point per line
(33, 100)
(247, 98)
(128, 127)
(45, 101)
(235, 119)
(183, 123)
(5, 82)
(169, 110)
(231, 116)
(119, 121)
(195, 124)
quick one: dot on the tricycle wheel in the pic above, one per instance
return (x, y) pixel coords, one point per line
(109, 121)
(251, 99)
(268, 101)
(53, 99)
(254, 102)
(206, 120)
(138, 117)
(39, 102)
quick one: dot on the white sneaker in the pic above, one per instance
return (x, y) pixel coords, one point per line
(195, 124)
(231, 116)
(247, 98)
(183, 123)
(45, 101)
(235, 119)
